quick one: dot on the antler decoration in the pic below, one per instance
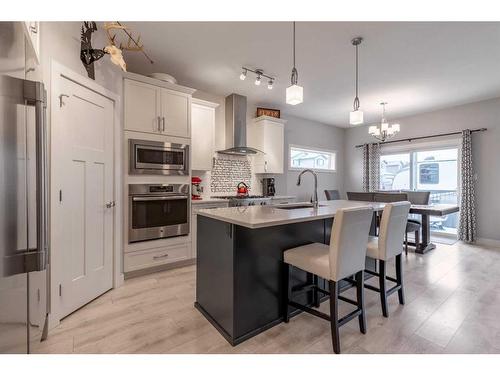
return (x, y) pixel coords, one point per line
(132, 44)
(89, 55)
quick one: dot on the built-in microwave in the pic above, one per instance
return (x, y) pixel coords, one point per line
(158, 211)
(154, 157)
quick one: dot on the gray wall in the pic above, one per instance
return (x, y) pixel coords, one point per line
(486, 152)
(302, 132)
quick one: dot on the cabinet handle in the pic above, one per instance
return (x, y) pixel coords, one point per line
(33, 29)
(265, 166)
(163, 122)
(158, 126)
(156, 257)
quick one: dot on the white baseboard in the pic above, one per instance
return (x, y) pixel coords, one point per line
(488, 242)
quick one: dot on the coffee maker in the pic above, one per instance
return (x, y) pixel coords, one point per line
(268, 188)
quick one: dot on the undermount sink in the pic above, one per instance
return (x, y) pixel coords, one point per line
(293, 206)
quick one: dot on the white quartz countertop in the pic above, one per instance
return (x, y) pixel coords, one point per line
(208, 200)
(267, 216)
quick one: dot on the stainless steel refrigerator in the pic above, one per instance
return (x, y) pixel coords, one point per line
(24, 250)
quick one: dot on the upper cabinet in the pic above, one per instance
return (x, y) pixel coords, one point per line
(267, 134)
(32, 31)
(155, 109)
(142, 107)
(202, 134)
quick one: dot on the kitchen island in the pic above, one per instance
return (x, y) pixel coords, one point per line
(239, 273)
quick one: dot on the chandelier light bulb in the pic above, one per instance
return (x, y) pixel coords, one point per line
(257, 80)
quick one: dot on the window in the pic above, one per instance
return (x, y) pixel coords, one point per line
(317, 159)
(433, 170)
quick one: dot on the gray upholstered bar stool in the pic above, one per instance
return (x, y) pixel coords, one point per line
(387, 245)
(343, 258)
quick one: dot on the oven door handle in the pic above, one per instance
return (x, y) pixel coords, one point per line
(149, 199)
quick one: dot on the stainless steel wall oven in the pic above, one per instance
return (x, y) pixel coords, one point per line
(158, 211)
(155, 157)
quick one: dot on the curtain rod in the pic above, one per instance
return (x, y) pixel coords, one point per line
(425, 137)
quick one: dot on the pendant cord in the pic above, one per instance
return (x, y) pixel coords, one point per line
(295, 74)
(294, 44)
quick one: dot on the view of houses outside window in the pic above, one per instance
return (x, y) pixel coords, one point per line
(302, 158)
(427, 170)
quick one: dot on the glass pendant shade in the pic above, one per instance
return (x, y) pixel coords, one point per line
(356, 117)
(294, 95)
(384, 126)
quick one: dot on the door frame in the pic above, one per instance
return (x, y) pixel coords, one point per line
(58, 70)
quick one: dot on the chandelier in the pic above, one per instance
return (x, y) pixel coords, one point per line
(383, 131)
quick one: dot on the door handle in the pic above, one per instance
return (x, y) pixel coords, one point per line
(110, 204)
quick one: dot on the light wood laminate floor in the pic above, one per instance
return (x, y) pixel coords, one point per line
(452, 306)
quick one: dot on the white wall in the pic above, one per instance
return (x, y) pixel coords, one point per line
(302, 132)
(486, 152)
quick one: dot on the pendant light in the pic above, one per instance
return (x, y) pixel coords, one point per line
(385, 131)
(294, 93)
(356, 116)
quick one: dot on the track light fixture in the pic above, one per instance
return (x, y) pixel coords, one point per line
(243, 74)
(258, 79)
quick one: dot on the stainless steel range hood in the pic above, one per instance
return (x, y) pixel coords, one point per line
(236, 127)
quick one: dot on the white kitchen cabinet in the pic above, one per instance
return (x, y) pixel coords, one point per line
(142, 107)
(157, 256)
(202, 134)
(174, 113)
(267, 134)
(194, 216)
(154, 109)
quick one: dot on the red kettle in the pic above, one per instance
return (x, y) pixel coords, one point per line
(242, 189)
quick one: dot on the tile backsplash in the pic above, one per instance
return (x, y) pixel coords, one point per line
(228, 171)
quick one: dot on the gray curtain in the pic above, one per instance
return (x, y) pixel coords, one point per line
(467, 223)
(371, 167)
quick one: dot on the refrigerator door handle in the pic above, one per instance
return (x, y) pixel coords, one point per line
(35, 94)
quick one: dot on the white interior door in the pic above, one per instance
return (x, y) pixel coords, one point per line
(83, 158)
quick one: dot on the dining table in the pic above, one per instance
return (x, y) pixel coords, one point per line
(426, 211)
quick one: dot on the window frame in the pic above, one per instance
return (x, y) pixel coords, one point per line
(312, 149)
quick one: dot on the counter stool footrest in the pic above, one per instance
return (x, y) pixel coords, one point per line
(319, 314)
(348, 300)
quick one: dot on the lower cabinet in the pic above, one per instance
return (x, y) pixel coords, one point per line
(141, 259)
(194, 217)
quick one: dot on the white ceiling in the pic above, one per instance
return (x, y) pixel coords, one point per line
(416, 67)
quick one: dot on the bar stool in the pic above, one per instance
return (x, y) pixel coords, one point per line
(387, 245)
(343, 258)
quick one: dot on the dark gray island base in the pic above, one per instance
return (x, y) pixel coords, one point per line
(239, 274)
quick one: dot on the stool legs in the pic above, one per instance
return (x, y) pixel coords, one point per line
(399, 278)
(316, 301)
(360, 292)
(287, 291)
(334, 315)
(383, 287)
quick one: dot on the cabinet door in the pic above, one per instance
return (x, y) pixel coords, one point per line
(202, 136)
(273, 147)
(142, 107)
(175, 113)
